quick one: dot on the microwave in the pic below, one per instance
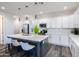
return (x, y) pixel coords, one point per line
(43, 25)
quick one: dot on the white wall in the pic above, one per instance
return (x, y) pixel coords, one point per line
(8, 26)
(16, 24)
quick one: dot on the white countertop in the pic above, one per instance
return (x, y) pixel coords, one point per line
(75, 38)
(31, 37)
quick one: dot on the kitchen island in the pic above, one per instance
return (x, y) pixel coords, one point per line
(40, 41)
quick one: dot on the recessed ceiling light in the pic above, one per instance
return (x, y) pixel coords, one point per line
(27, 16)
(41, 12)
(35, 3)
(3, 8)
(26, 6)
(41, 2)
(65, 7)
(19, 8)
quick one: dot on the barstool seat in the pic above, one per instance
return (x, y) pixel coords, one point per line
(26, 46)
(28, 49)
(15, 43)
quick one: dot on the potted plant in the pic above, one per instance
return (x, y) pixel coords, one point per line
(36, 29)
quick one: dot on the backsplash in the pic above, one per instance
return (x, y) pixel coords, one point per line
(61, 31)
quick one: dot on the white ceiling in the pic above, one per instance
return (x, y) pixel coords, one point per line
(12, 7)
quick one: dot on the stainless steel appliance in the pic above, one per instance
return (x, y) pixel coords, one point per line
(25, 29)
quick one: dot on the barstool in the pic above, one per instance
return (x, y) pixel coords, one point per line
(14, 48)
(28, 49)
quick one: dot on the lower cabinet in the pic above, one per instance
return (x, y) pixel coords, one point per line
(74, 49)
(59, 39)
(76, 52)
(54, 39)
(64, 40)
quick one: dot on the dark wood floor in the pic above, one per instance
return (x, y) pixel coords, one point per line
(55, 51)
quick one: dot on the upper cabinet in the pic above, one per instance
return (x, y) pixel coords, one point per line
(52, 22)
(76, 20)
(55, 22)
(59, 22)
(68, 21)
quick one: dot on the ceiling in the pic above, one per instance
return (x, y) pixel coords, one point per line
(32, 9)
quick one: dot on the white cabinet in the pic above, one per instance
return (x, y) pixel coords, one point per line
(54, 39)
(76, 15)
(76, 20)
(65, 21)
(74, 48)
(55, 22)
(71, 21)
(68, 21)
(64, 40)
(59, 22)
(76, 51)
(58, 39)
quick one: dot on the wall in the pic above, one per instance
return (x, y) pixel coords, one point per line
(8, 26)
(16, 24)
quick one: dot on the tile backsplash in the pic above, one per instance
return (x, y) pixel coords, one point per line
(61, 31)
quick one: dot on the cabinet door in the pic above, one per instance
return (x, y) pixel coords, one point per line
(59, 22)
(65, 21)
(54, 39)
(76, 20)
(64, 40)
(73, 48)
(53, 22)
(71, 22)
(69, 43)
(68, 21)
(0, 24)
(76, 50)
(56, 22)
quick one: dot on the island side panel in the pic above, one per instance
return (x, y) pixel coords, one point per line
(44, 48)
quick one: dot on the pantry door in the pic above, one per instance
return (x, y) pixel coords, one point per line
(1, 32)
